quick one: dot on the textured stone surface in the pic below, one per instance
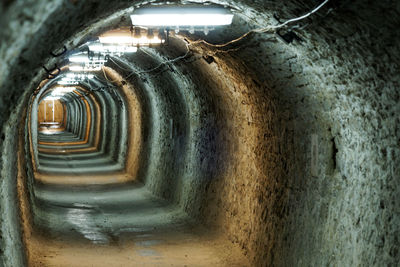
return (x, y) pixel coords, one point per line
(11, 242)
(240, 154)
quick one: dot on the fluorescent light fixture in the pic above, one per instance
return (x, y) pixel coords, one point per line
(115, 39)
(68, 82)
(71, 75)
(74, 78)
(181, 17)
(129, 40)
(77, 76)
(50, 98)
(84, 68)
(112, 49)
(124, 36)
(83, 58)
(60, 91)
(76, 68)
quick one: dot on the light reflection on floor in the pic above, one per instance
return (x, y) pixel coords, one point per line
(122, 225)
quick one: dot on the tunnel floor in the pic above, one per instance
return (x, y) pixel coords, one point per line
(111, 224)
(66, 159)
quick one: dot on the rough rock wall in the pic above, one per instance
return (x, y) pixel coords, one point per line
(339, 84)
(11, 241)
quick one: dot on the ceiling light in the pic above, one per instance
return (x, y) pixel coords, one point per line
(115, 39)
(84, 58)
(60, 91)
(65, 82)
(181, 17)
(78, 76)
(129, 40)
(124, 36)
(70, 75)
(111, 49)
(50, 98)
(84, 68)
(79, 58)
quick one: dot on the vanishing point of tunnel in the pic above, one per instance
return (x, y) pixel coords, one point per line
(199, 133)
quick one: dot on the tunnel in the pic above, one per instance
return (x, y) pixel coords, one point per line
(270, 141)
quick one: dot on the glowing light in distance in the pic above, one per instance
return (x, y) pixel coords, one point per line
(112, 48)
(181, 17)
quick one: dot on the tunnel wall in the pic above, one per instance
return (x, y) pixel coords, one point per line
(113, 117)
(163, 127)
(336, 87)
(340, 85)
(131, 145)
(12, 251)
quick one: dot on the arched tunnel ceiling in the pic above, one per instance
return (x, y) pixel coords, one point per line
(68, 18)
(251, 114)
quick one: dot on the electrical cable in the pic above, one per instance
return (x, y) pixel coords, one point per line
(294, 19)
(167, 61)
(272, 28)
(155, 68)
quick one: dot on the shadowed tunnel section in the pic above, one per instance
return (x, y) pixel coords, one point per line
(278, 149)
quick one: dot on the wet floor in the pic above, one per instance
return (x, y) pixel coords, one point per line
(116, 225)
(120, 226)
